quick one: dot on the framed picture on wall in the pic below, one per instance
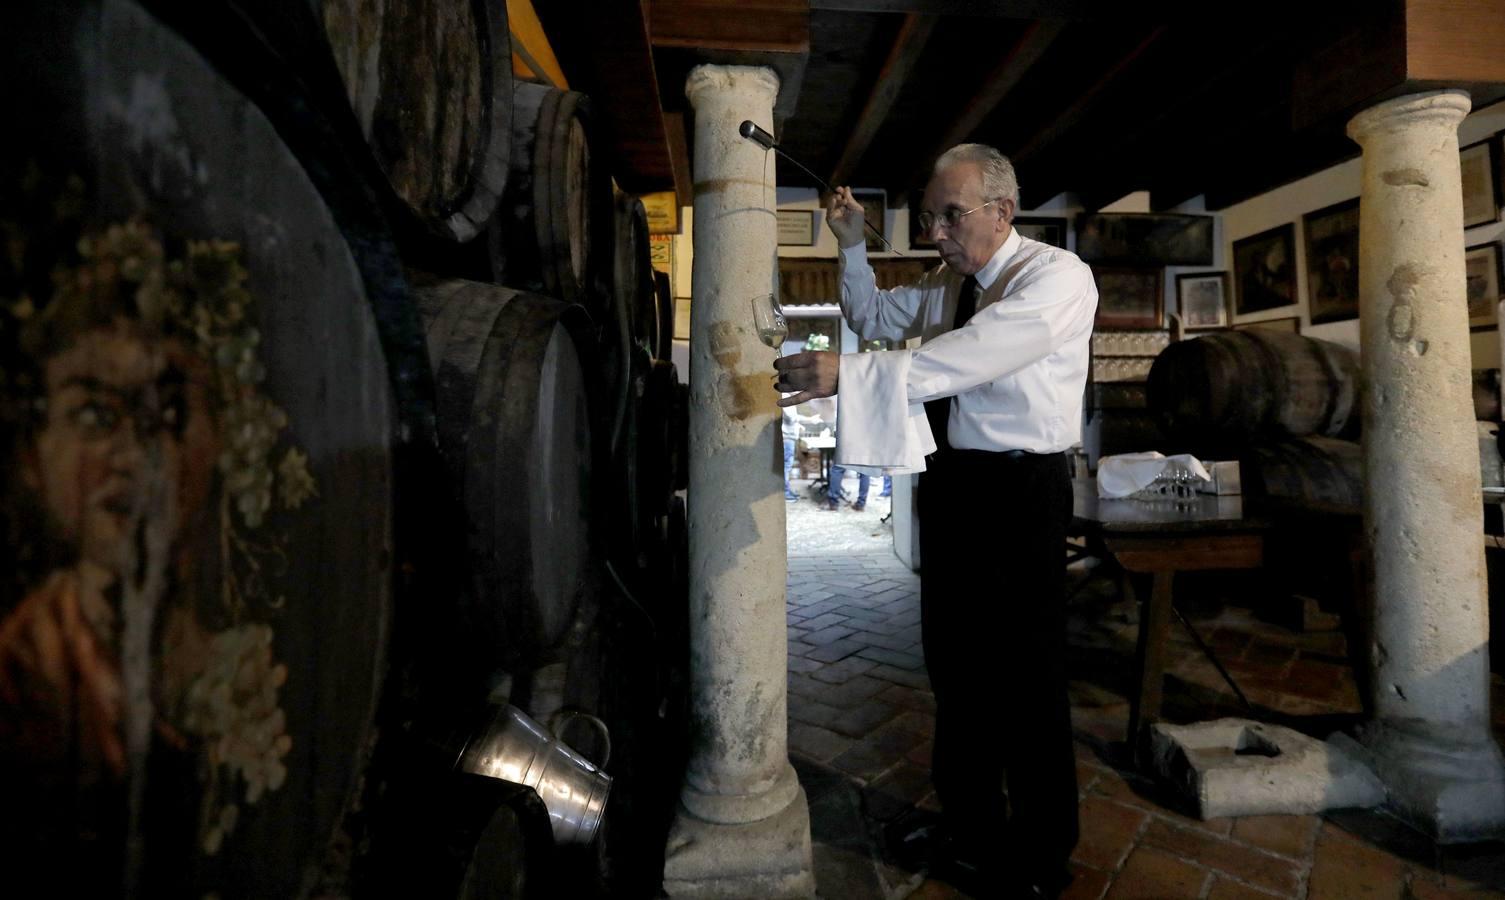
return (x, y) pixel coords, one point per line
(1129, 298)
(1046, 229)
(1481, 189)
(1289, 324)
(917, 237)
(1483, 275)
(1145, 239)
(796, 227)
(1332, 262)
(1202, 299)
(1264, 270)
(875, 209)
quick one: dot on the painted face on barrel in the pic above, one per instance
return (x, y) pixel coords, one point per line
(968, 245)
(116, 408)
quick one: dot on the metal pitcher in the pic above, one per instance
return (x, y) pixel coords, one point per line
(516, 748)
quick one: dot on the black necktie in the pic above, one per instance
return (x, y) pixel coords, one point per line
(938, 411)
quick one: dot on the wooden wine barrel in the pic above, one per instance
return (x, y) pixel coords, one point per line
(249, 602)
(664, 347)
(553, 233)
(515, 432)
(632, 273)
(1319, 473)
(658, 443)
(430, 82)
(1237, 386)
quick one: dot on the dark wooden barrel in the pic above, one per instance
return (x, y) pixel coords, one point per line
(552, 235)
(632, 273)
(430, 82)
(664, 347)
(1237, 386)
(515, 432)
(241, 572)
(1319, 473)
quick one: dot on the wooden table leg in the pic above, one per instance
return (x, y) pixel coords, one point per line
(1154, 623)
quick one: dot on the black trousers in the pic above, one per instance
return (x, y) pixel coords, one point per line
(992, 597)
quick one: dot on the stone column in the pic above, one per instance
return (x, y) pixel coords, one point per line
(743, 826)
(1430, 739)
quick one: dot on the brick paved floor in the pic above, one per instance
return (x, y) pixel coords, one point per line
(861, 717)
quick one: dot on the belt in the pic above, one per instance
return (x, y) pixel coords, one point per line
(991, 454)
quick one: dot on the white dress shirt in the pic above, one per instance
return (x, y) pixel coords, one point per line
(1017, 369)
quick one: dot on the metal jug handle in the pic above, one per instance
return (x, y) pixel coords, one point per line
(556, 724)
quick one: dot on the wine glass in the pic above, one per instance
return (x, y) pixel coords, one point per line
(768, 318)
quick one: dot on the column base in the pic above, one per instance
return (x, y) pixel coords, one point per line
(769, 858)
(1451, 790)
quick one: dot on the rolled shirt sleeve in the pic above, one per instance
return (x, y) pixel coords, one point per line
(891, 315)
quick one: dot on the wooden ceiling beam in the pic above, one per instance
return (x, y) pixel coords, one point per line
(1448, 41)
(604, 51)
(1032, 44)
(1067, 10)
(1077, 111)
(902, 56)
(761, 26)
(1151, 150)
(679, 157)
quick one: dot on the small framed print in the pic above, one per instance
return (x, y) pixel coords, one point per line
(1481, 189)
(1202, 299)
(661, 253)
(796, 227)
(918, 239)
(875, 210)
(662, 208)
(1332, 262)
(1289, 324)
(1483, 275)
(1046, 229)
(1130, 298)
(1264, 270)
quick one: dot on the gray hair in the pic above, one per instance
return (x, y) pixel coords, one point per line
(998, 179)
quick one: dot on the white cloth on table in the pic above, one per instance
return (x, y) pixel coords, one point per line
(1017, 369)
(1128, 473)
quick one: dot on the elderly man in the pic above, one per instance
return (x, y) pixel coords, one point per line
(1005, 323)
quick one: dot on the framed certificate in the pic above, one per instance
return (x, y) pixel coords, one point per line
(663, 212)
(796, 227)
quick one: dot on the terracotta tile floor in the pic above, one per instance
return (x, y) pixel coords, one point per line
(861, 717)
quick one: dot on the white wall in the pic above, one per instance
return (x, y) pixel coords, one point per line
(1334, 185)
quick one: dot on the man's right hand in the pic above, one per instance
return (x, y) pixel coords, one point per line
(845, 216)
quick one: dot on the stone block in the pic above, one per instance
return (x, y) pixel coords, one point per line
(770, 858)
(1237, 767)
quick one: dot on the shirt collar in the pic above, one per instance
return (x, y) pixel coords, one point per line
(993, 267)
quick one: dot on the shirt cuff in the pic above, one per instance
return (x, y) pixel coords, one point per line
(879, 432)
(855, 255)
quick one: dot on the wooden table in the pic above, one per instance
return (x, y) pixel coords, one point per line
(1161, 538)
(826, 446)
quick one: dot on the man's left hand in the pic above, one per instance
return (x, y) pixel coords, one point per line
(810, 375)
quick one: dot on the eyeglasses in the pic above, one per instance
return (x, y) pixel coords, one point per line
(950, 218)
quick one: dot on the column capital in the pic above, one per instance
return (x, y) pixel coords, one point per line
(759, 81)
(1441, 108)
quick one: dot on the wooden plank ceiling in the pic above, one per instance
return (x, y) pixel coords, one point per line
(1099, 99)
